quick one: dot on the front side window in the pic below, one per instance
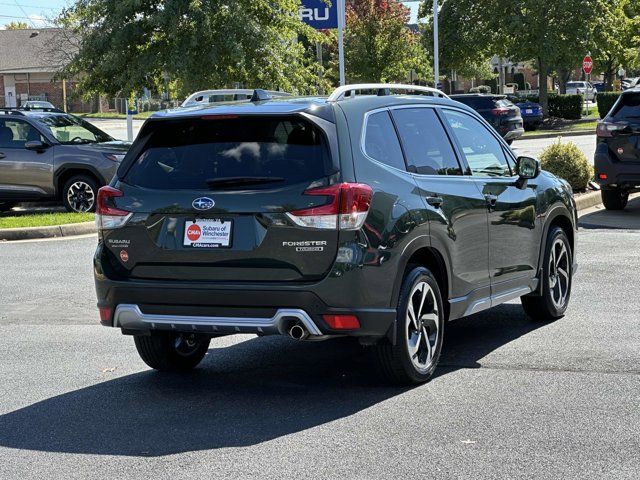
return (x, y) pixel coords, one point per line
(381, 142)
(482, 150)
(425, 142)
(16, 133)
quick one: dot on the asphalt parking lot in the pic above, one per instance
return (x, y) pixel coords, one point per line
(512, 399)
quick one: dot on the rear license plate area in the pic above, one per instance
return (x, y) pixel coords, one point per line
(208, 233)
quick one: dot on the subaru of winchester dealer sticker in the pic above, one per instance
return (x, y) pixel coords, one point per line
(203, 203)
(207, 233)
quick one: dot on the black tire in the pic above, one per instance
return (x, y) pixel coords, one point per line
(543, 307)
(614, 198)
(509, 142)
(7, 206)
(395, 361)
(86, 189)
(171, 352)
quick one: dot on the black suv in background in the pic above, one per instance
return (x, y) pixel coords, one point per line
(498, 110)
(617, 157)
(376, 215)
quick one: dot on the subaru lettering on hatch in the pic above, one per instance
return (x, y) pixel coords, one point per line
(203, 203)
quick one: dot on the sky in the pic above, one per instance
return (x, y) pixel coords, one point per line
(36, 12)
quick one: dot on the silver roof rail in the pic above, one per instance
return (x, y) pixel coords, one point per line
(383, 89)
(237, 92)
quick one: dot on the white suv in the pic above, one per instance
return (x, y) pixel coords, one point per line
(582, 88)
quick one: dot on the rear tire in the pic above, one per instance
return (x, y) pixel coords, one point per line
(509, 142)
(614, 198)
(419, 331)
(556, 280)
(171, 352)
(80, 194)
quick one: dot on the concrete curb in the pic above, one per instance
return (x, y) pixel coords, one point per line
(557, 134)
(28, 233)
(588, 200)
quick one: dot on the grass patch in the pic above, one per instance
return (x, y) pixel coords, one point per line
(113, 115)
(44, 219)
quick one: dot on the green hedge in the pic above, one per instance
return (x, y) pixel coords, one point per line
(606, 101)
(567, 161)
(563, 106)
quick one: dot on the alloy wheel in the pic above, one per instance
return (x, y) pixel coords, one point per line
(559, 279)
(422, 326)
(81, 196)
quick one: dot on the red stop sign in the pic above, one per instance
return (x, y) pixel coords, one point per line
(587, 64)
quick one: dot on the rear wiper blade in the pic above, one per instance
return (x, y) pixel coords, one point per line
(241, 181)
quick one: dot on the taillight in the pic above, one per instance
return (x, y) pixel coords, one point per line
(108, 216)
(347, 209)
(607, 130)
(500, 111)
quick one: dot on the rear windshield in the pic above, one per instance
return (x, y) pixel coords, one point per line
(205, 153)
(628, 107)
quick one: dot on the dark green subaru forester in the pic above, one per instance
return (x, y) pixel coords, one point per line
(380, 212)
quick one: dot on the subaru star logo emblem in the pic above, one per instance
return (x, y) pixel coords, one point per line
(203, 203)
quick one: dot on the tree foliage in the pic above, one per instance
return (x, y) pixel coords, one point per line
(379, 47)
(16, 25)
(130, 44)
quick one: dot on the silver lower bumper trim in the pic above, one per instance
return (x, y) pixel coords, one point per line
(130, 317)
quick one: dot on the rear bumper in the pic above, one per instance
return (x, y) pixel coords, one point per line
(511, 133)
(532, 120)
(619, 174)
(139, 309)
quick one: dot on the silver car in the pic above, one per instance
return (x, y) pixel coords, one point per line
(51, 155)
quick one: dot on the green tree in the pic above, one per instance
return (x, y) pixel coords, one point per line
(379, 47)
(617, 43)
(129, 44)
(554, 34)
(16, 25)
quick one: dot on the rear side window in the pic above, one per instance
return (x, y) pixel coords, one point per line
(425, 142)
(627, 108)
(381, 142)
(197, 153)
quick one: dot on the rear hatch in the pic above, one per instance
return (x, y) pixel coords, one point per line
(621, 128)
(208, 199)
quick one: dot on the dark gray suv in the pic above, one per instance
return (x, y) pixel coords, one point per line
(380, 216)
(46, 154)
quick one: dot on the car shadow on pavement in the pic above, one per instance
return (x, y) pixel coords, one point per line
(242, 395)
(627, 219)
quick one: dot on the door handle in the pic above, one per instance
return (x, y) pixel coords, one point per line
(435, 201)
(491, 200)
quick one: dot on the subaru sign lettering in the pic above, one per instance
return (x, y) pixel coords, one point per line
(203, 203)
(319, 15)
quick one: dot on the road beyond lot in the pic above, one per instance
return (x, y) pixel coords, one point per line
(512, 399)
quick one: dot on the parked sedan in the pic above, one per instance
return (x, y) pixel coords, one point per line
(37, 105)
(582, 88)
(531, 112)
(503, 115)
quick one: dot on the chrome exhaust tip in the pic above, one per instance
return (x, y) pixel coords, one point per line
(298, 332)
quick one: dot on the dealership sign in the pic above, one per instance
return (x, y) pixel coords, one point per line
(319, 15)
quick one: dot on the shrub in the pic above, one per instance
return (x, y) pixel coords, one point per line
(566, 106)
(606, 101)
(480, 89)
(567, 161)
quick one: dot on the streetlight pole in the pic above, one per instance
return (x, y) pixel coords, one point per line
(436, 61)
(341, 25)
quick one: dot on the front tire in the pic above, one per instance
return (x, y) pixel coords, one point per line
(171, 352)
(419, 331)
(614, 198)
(80, 193)
(556, 280)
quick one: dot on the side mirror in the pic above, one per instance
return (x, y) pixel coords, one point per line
(527, 168)
(36, 145)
